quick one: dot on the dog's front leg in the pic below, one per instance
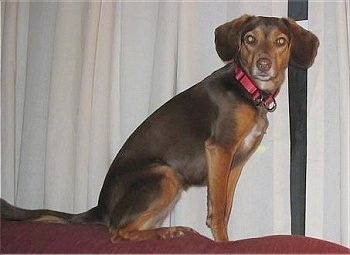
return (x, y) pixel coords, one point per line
(231, 187)
(219, 162)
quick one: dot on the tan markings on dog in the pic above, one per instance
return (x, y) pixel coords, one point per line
(245, 117)
(246, 149)
(273, 45)
(219, 162)
(256, 132)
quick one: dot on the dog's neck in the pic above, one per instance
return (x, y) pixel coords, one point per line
(258, 96)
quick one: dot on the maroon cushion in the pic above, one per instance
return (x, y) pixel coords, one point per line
(35, 237)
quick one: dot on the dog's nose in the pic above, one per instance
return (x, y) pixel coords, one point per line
(264, 64)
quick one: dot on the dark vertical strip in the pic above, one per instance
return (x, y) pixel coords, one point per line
(298, 9)
(298, 140)
(297, 85)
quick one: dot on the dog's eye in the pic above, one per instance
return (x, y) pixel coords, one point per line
(250, 39)
(281, 41)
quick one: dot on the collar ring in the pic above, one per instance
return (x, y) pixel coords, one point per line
(270, 107)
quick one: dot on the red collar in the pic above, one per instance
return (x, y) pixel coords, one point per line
(258, 96)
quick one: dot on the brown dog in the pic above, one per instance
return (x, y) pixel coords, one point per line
(202, 136)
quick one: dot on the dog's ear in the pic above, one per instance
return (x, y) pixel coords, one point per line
(304, 45)
(228, 38)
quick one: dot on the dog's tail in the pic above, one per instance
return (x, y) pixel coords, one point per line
(10, 212)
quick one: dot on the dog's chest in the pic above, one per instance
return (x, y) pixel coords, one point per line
(255, 135)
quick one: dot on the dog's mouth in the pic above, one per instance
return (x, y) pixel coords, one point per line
(264, 80)
(263, 76)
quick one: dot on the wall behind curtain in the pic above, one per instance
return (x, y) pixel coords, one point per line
(78, 78)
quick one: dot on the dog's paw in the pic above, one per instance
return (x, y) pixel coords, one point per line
(173, 232)
(159, 233)
(116, 238)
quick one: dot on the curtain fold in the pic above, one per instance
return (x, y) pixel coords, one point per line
(78, 78)
(8, 76)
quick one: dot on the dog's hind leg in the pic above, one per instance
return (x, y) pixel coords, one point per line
(152, 205)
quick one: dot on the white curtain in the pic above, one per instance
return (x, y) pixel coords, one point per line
(78, 78)
(328, 206)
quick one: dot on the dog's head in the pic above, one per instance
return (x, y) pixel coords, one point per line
(263, 46)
